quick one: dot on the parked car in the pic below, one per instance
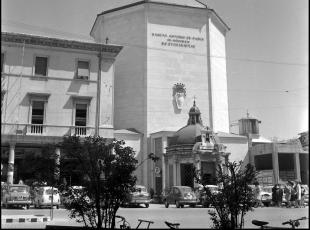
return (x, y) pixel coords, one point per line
(73, 193)
(202, 196)
(16, 195)
(180, 196)
(265, 194)
(43, 197)
(140, 195)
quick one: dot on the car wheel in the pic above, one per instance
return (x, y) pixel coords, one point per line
(147, 205)
(177, 204)
(166, 204)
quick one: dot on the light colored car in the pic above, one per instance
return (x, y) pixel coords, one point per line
(180, 196)
(265, 194)
(16, 195)
(140, 195)
(43, 197)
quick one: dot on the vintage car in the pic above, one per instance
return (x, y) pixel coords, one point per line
(180, 196)
(43, 197)
(16, 195)
(140, 195)
(202, 196)
(73, 194)
(265, 195)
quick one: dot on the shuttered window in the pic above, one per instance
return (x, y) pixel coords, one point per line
(41, 66)
(83, 70)
(80, 114)
(37, 112)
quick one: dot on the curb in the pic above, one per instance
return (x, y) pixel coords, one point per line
(25, 219)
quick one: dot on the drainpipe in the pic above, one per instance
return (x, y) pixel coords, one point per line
(98, 95)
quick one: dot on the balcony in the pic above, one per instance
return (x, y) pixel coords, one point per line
(35, 129)
(80, 131)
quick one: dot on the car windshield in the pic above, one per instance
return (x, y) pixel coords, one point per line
(186, 189)
(18, 189)
(49, 191)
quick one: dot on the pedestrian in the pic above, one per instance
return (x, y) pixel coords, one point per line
(298, 194)
(257, 194)
(280, 196)
(303, 191)
(288, 193)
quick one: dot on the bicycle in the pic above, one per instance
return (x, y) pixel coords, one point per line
(263, 225)
(125, 224)
(172, 225)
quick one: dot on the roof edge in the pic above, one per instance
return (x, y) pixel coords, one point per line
(58, 42)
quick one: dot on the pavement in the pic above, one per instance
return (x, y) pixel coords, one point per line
(24, 218)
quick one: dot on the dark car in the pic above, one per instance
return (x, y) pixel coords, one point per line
(140, 195)
(16, 195)
(180, 196)
(202, 196)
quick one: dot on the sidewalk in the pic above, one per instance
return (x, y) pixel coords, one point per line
(24, 218)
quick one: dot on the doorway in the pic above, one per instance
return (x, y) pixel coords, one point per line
(187, 175)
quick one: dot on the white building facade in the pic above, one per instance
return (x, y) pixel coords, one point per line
(172, 49)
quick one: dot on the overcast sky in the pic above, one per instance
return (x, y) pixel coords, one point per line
(267, 51)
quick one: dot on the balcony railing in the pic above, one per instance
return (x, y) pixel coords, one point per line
(50, 130)
(80, 131)
(35, 129)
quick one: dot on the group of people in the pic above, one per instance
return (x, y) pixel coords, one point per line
(293, 192)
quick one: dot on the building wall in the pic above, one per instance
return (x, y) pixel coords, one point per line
(59, 83)
(220, 114)
(169, 63)
(127, 28)
(237, 148)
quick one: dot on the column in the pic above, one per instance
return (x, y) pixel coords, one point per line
(275, 163)
(163, 172)
(297, 167)
(174, 171)
(10, 177)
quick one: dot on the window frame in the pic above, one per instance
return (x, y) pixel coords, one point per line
(30, 109)
(80, 101)
(34, 65)
(77, 65)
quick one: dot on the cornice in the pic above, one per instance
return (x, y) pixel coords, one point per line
(58, 43)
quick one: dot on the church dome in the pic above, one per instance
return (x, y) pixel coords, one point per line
(191, 133)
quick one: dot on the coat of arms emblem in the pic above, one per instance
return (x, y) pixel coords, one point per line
(179, 94)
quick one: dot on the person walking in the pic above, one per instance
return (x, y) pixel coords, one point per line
(303, 191)
(298, 194)
(288, 193)
(279, 196)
